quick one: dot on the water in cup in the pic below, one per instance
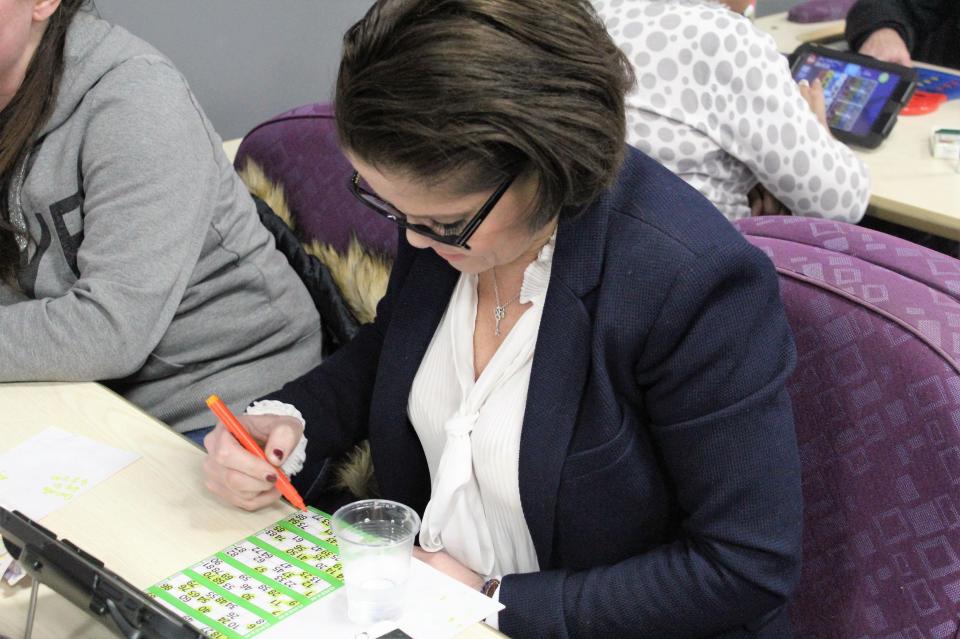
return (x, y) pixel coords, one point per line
(375, 586)
(375, 537)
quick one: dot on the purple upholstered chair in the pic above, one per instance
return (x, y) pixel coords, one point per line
(299, 149)
(819, 10)
(876, 396)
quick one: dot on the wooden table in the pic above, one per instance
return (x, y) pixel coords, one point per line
(145, 523)
(230, 147)
(908, 185)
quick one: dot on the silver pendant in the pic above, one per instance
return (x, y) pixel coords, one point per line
(498, 314)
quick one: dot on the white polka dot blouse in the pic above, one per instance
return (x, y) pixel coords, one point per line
(715, 102)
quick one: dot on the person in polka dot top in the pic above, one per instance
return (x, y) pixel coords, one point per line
(715, 102)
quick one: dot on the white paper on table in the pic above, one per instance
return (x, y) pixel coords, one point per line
(48, 470)
(436, 607)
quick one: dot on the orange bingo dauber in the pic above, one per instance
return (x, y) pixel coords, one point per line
(240, 433)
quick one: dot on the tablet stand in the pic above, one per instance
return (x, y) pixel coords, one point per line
(84, 581)
(32, 610)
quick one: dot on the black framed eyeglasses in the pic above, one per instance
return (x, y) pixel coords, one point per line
(390, 212)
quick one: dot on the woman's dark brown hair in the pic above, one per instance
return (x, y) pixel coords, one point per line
(475, 90)
(22, 119)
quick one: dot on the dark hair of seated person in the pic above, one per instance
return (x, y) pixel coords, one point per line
(408, 99)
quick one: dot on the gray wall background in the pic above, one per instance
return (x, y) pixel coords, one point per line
(250, 59)
(245, 59)
(766, 7)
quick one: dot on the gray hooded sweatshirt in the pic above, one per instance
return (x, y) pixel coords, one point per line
(145, 265)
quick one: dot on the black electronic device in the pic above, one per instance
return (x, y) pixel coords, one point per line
(863, 96)
(84, 581)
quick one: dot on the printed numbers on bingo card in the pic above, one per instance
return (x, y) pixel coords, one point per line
(259, 594)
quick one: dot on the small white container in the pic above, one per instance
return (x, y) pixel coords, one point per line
(945, 144)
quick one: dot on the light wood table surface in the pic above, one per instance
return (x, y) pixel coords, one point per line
(148, 521)
(230, 147)
(908, 185)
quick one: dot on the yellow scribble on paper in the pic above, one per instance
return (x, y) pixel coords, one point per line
(64, 486)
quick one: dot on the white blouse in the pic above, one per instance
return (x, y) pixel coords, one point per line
(470, 430)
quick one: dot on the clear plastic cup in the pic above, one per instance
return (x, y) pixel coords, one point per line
(375, 537)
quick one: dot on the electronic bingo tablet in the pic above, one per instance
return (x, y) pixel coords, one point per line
(863, 96)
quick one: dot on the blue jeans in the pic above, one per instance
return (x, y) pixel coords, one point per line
(196, 436)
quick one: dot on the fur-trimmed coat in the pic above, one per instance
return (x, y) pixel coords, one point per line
(346, 288)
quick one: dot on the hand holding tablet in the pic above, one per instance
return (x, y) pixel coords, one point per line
(863, 96)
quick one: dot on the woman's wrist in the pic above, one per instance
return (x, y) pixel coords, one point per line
(296, 458)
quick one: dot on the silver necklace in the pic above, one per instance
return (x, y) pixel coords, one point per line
(500, 311)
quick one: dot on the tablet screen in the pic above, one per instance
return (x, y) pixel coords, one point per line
(855, 95)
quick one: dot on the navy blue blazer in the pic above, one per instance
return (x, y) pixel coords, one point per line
(659, 472)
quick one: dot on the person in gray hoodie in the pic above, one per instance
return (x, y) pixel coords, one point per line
(130, 251)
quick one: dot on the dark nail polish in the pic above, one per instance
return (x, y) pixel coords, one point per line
(272, 479)
(278, 454)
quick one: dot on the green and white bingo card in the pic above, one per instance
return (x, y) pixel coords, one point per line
(259, 581)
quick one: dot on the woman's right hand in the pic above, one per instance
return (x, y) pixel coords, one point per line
(813, 96)
(241, 478)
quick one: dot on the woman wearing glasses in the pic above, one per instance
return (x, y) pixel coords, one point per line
(577, 373)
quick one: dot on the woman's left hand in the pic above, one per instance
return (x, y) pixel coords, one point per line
(762, 202)
(449, 566)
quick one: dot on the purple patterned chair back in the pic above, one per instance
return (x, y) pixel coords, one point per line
(819, 10)
(299, 149)
(876, 397)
